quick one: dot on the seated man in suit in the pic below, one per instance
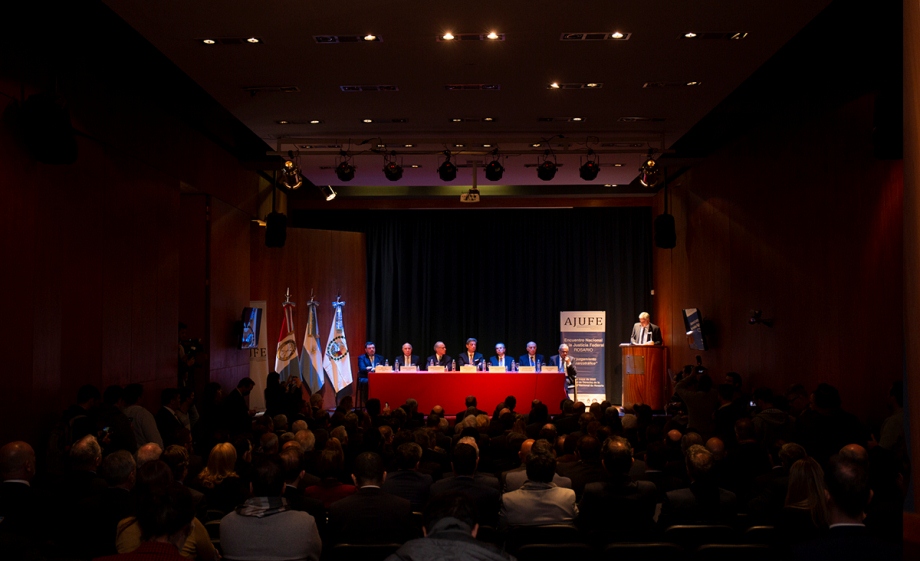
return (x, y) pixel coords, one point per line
(440, 356)
(619, 506)
(371, 515)
(407, 482)
(645, 332)
(367, 362)
(514, 479)
(500, 358)
(20, 508)
(531, 358)
(470, 402)
(406, 358)
(481, 493)
(470, 357)
(539, 501)
(564, 361)
(703, 502)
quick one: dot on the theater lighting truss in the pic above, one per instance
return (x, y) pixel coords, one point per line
(447, 171)
(589, 170)
(290, 175)
(494, 169)
(649, 171)
(345, 171)
(547, 168)
(391, 169)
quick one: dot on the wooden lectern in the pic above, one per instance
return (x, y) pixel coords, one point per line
(645, 376)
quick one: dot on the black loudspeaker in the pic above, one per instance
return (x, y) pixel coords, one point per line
(46, 130)
(275, 230)
(665, 234)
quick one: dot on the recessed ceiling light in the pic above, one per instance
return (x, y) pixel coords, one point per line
(409, 145)
(610, 184)
(368, 120)
(315, 122)
(448, 36)
(253, 40)
(370, 37)
(459, 145)
(690, 35)
(456, 120)
(576, 118)
(536, 145)
(415, 166)
(282, 122)
(381, 146)
(554, 85)
(209, 41)
(492, 35)
(486, 145)
(487, 119)
(616, 35)
(591, 85)
(693, 83)
(617, 165)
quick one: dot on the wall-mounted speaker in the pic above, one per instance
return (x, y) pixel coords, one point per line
(665, 233)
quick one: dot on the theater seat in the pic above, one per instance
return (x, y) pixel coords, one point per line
(733, 552)
(693, 536)
(363, 552)
(554, 551)
(547, 534)
(643, 551)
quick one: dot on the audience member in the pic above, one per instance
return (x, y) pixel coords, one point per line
(539, 501)
(701, 503)
(407, 482)
(223, 488)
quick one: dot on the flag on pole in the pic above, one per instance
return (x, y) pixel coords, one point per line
(287, 343)
(311, 364)
(336, 361)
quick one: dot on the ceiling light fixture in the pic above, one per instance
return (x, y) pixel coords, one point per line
(344, 171)
(409, 145)
(547, 168)
(209, 41)
(328, 192)
(616, 35)
(392, 170)
(368, 121)
(447, 171)
(492, 35)
(488, 119)
(448, 36)
(576, 119)
(649, 172)
(589, 170)
(456, 120)
(370, 37)
(253, 40)
(290, 175)
(554, 85)
(690, 35)
(494, 169)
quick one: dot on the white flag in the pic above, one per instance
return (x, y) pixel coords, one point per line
(336, 361)
(287, 345)
(311, 363)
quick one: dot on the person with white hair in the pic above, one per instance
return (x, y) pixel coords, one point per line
(645, 332)
(565, 363)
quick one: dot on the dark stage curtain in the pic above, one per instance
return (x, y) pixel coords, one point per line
(504, 275)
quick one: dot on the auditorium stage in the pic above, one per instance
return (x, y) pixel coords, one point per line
(450, 389)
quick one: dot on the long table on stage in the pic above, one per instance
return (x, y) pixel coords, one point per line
(449, 389)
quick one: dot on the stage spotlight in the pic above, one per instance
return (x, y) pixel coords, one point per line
(547, 169)
(649, 172)
(494, 169)
(290, 175)
(447, 171)
(589, 170)
(328, 192)
(393, 171)
(345, 171)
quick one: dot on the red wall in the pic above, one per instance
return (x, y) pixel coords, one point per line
(798, 220)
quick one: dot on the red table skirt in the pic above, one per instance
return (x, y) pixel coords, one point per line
(450, 389)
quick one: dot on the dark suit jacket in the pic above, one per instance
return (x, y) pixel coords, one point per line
(508, 360)
(698, 504)
(364, 362)
(445, 361)
(168, 424)
(235, 413)
(485, 496)
(402, 358)
(464, 358)
(409, 484)
(621, 506)
(371, 515)
(525, 360)
(847, 543)
(637, 329)
(582, 473)
(570, 371)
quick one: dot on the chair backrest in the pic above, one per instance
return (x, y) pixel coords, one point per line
(363, 552)
(643, 551)
(554, 551)
(546, 534)
(213, 514)
(759, 535)
(733, 552)
(213, 528)
(692, 536)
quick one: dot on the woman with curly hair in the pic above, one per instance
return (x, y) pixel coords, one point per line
(222, 486)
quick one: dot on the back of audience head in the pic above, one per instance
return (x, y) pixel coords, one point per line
(176, 457)
(717, 447)
(86, 454)
(221, 464)
(454, 505)
(548, 432)
(847, 483)
(408, 455)
(269, 443)
(267, 477)
(331, 462)
(290, 465)
(790, 453)
(617, 456)
(119, 469)
(465, 459)
(690, 439)
(306, 439)
(369, 469)
(153, 477)
(699, 463)
(589, 449)
(166, 514)
(17, 461)
(540, 466)
(745, 430)
(806, 490)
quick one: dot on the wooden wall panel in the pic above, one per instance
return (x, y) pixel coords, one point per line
(329, 263)
(798, 220)
(229, 281)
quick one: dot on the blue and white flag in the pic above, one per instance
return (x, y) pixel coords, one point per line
(311, 363)
(336, 361)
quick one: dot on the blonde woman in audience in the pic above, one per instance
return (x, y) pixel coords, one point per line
(222, 486)
(804, 515)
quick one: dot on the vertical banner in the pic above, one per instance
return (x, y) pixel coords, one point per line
(258, 363)
(311, 362)
(585, 334)
(336, 362)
